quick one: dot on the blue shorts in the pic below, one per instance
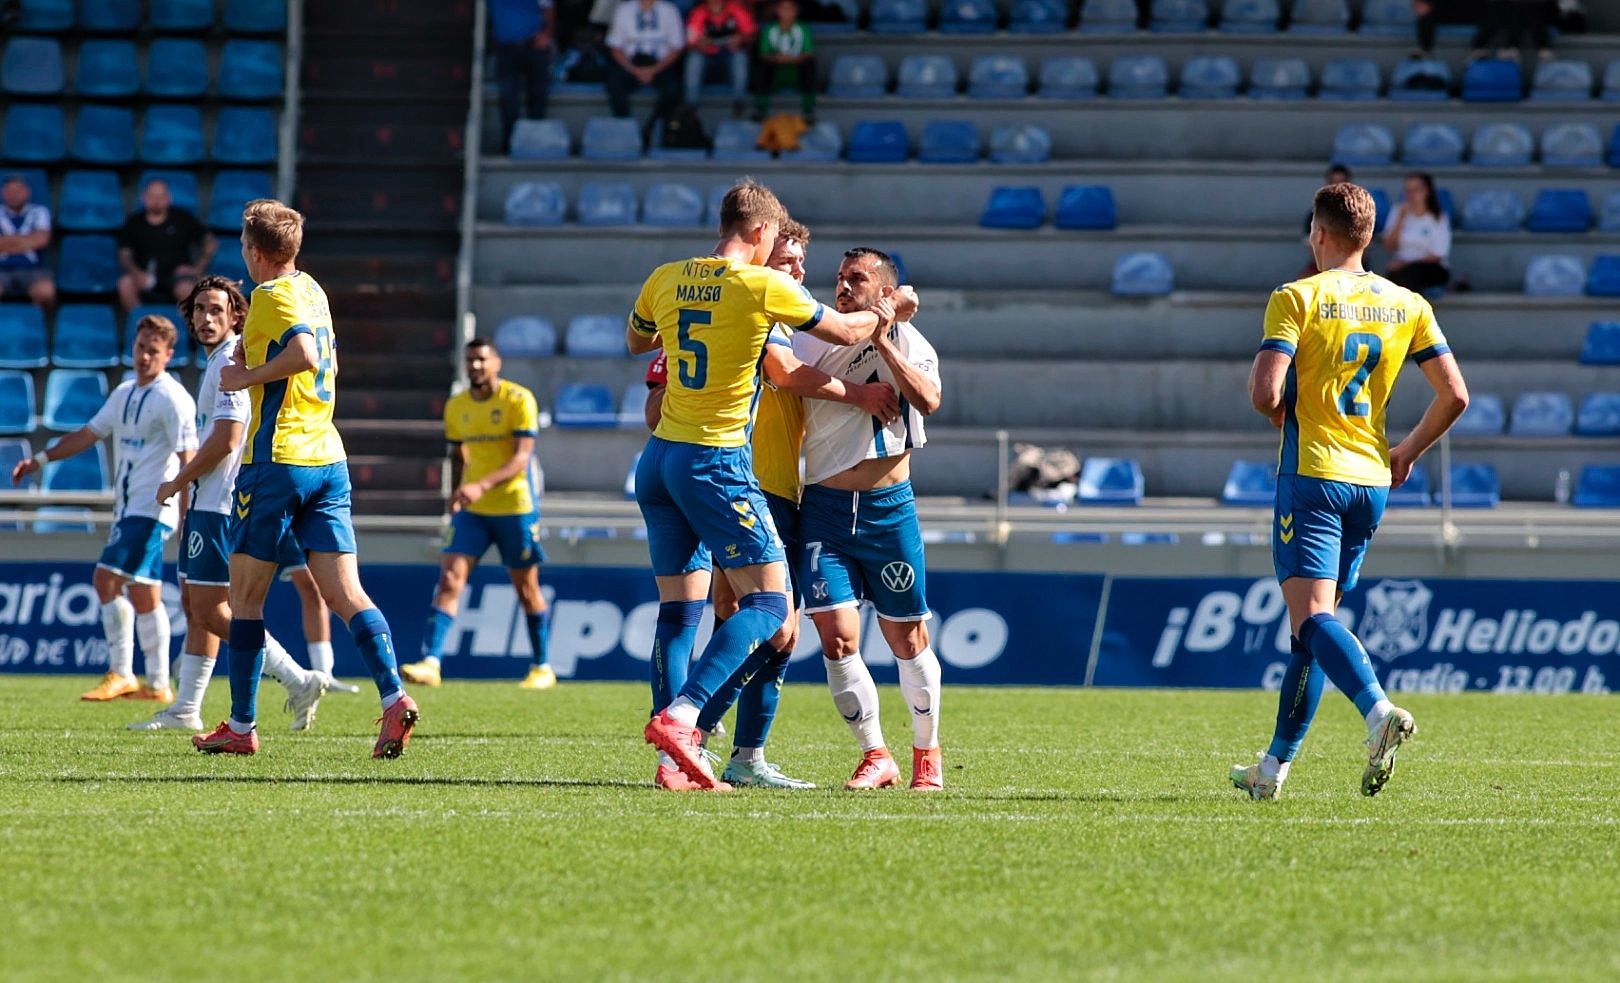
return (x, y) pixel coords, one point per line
(863, 545)
(205, 554)
(516, 536)
(700, 501)
(785, 514)
(135, 549)
(311, 502)
(1322, 528)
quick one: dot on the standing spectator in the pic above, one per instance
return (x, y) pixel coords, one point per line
(1336, 174)
(1432, 13)
(1419, 238)
(25, 232)
(645, 42)
(162, 250)
(1513, 25)
(522, 32)
(719, 31)
(787, 59)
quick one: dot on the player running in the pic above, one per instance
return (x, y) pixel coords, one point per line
(694, 484)
(215, 309)
(1334, 345)
(491, 427)
(294, 476)
(775, 441)
(859, 523)
(152, 421)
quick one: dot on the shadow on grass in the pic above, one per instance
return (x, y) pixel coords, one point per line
(345, 780)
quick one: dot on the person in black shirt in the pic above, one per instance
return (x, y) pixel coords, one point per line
(162, 250)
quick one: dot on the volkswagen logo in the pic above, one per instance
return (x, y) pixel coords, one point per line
(898, 576)
(194, 545)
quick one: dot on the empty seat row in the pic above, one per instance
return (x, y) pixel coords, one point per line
(94, 201)
(83, 472)
(1552, 210)
(169, 135)
(1568, 276)
(72, 397)
(587, 336)
(1164, 16)
(88, 264)
(1088, 207)
(123, 16)
(1254, 483)
(111, 69)
(1542, 414)
(1492, 145)
(85, 336)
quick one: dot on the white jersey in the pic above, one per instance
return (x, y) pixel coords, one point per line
(838, 436)
(213, 490)
(149, 425)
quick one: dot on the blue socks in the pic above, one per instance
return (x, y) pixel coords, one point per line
(1342, 659)
(1296, 703)
(539, 635)
(371, 636)
(246, 651)
(438, 625)
(758, 617)
(756, 711)
(675, 637)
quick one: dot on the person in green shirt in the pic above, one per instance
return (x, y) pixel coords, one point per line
(787, 60)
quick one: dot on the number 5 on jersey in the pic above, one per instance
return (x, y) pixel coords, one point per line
(693, 374)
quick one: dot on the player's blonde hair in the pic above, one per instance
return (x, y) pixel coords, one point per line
(796, 231)
(748, 204)
(159, 327)
(1347, 213)
(274, 229)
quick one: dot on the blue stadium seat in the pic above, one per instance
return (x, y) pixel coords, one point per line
(1542, 415)
(858, 77)
(244, 135)
(16, 402)
(255, 16)
(1611, 82)
(1381, 209)
(172, 135)
(899, 17)
(31, 67)
(1599, 416)
(1279, 78)
(540, 139)
(1014, 208)
(1555, 276)
(1603, 279)
(22, 337)
(1143, 275)
(633, 409)
(92, 201)
(1251, 483)
(1598, 487)
(1475, 486)
(584, 404)
(1562, 81)
(182, 343)
(107, 69)
(1609, 213)
(1388, 18)
(182, 187)
(45, 15)
(1108, 17)
(606, 138)
(1501, 145)
(104, 135)
(998, 77)
(182, 15)
(1612, 156)
(1484, 417)
(1492, 80)
(34, 133)
(1069, 77)
(1318, 17)
(87, 264)
(1038, 17)
(1432, 145)
(736, 139)
(1110, 481)
(14, 451)
(1138, 77)
(603, 203)
(717, 197)
(1560, 210)
(1420, 80)
(1413, 493)
(1250, 16)
(1350, 79)
(926, 77)
(672, 204)
(1179, 16)
(968, 17)
(1493, 211)
(232, 191)
(72, 397)
(228, 263)
(1020, 143)
(595, 336)
(83, 472)
(821, 143)
(878, 142)
(109, 15)
(526, 336)
(949, 141)
(1602, 344)
(176, 68)
(250, 70)
(86, 337)
(1364, 145)
(1571, 145)
(1086, 207)
(1209, 77)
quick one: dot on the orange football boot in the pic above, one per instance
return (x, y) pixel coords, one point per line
(876, 770)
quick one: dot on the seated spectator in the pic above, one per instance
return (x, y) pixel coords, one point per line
(25, 234)
(787, 59)
(162, 250)
(1432, 13)
(1511, 26)
(522, 32)
(1419, 238)
(644, 42)
(1336, 174)
(719, 32)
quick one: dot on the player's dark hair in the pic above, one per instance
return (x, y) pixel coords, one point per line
(1433, 208)
(481, 342)
(233, 299)
(1346, 212)
(1339, 169)
(885, 264)
(159, 326)
(795, 231)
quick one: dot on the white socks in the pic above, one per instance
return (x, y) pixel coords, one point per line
(919, 684)
(1375, 716)
(749, 755)
(195, 672)
(684, 711)
(153, 630)
(278, 665)
(1272, 769)
(320, 657)
(855, 695)
(118, 622)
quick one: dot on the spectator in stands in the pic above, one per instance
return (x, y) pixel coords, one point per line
(719, 32)
(787, 59)
(1336, 174)
(1432, 13)
(645, 43)
(25, 233)
(1419, 238)
(162, 250)
(1512, 26)
(522, 31)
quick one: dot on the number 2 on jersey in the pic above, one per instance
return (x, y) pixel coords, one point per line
(1350, 400)
(695, 375)
(323, 369)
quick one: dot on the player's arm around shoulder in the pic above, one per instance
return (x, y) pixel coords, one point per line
(916, 373)
(785, 371)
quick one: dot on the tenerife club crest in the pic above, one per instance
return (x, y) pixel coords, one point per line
(1396, 620)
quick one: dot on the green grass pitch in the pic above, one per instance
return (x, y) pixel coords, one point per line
(1083, 835)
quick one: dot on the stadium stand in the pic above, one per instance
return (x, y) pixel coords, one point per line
(1414, 492)
(1280, 78)
(526, 336)
(1603, 279)
(1250, 483)
(1493, 211)
(1599, 416)
(926, 77)
(1068, 77)
(86, 337)
(1559, 210)
(1475, 486)
(22, 337)
(1086, 207)
(1492, 80)
(998, 77)
(1485, 417)
(1542, 415)
(1598, 488)
(1014, 208)
(1110, 481)
(16, 402)
(540, 139)
(947, 141)
(1350, 79)
(1602, 344)
(72, 397)
(586, 405)
(607, 203)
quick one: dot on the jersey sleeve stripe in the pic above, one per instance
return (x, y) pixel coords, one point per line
(815, 319)
(524, 433)
(293, 332)
(1433, 351)
(641, 324)
(1277, 345)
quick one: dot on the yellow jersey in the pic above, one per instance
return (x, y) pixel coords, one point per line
(778, 439)
(1348, 335)
(488, 430)
(712, 316)
(292, 417)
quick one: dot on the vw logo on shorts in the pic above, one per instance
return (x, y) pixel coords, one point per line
(117, 534)
(194, 545)
(898, 576)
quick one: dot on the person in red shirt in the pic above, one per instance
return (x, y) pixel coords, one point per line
(719, 31)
